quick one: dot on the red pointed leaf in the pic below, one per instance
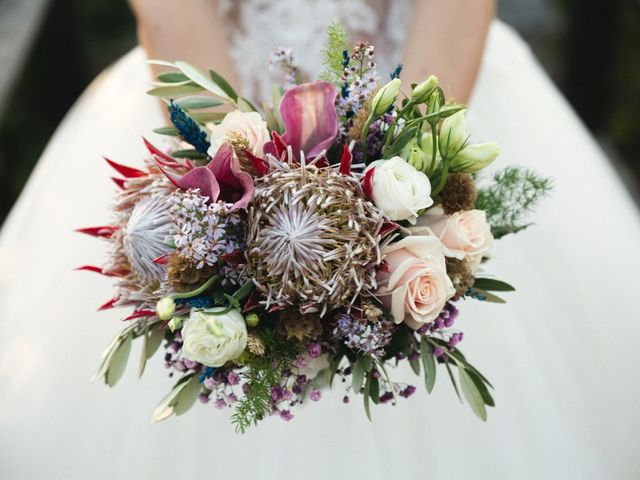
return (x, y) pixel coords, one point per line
(105, 231)
(388, 227)
(109, 304)
(162, 259)
(119, 182)
(367, 183)
(234, 258)
(158, 153)
(128, 172)
(140, 313)
(345, 161)
(252, 302)
(259, 164)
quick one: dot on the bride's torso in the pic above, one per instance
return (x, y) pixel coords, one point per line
(255, 27)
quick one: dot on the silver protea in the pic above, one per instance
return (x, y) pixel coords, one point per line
(146, 236)
(313, 241)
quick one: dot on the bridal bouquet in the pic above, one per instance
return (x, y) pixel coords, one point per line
(332, 233)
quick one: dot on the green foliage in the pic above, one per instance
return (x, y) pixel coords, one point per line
(337, 43)
(515, 193)
(262, 373)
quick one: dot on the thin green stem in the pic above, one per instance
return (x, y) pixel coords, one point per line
(194, 293)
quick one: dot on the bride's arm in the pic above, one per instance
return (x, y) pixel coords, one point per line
(189, 30)
(446, 38)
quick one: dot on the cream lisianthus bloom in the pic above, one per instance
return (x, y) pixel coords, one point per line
(453, 144)
(249, 125)
(415, 287)
(214, 336)
(399, 190)
(464, 234)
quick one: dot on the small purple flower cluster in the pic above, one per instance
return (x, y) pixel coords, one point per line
(364, 336)
(375, 139)
(205, 231)
(283, 58)
(360, 80)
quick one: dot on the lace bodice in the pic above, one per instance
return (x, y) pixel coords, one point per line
(256, 27)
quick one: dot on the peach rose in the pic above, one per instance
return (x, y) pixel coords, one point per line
(248, 124)
(416, 287)
(463, 234)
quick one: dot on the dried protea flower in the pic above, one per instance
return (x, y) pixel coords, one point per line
(240, 144)
(372, 312)
(183, 274)
(312, 238)
(255, 345)
(357, 125)
(459, 193)
(293, 325)
(461, 276)
(146, 234)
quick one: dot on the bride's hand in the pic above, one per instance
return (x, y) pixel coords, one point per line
(446, 38)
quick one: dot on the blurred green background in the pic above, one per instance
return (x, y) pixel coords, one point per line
(590, 48)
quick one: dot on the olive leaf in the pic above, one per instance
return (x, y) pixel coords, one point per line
(471, 394)
(367, 392)
(118, 361)
(172, 77)
(490, 284)
(360, 368)
(224, 85)
(171, 131)
(172, 91)
(187, 396)
(197, 102)
(429, 364)
(201, 79)
(165, 407)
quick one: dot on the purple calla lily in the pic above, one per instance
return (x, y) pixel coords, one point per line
(309, 115)
(222, 179)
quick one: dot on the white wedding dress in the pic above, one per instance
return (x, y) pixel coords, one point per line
(563, 353)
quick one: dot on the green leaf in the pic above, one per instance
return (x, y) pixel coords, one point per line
(161, 63)
(360, 368)
(491, 284)
(173, 91)
(415, 366)
(400, 142)
(197, 102)
(244, 290)
(488, 297)
(233, 301)
(224, 85)
(155, 339)
(453, 380)
(482, 387)
(171, 131)
(367, 392)
(374, 390)
(471, 394)
(106, 357)
(191, 154)
(118, 362)
(172, 77)
(245, 105)
(201, 79)
(187, 396)
(429, 364)
(165, 407)
(205, 117)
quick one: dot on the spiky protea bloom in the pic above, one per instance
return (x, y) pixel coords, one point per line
(134, 287)
(312, 238)
(146, 236)
(293, 325)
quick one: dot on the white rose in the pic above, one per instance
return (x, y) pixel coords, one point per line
(248, 124)
(416, 286)
(463, 234)
(213, 338)
(399, 190)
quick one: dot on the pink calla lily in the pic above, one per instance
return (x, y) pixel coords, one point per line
(309, 115)
(221, 179)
